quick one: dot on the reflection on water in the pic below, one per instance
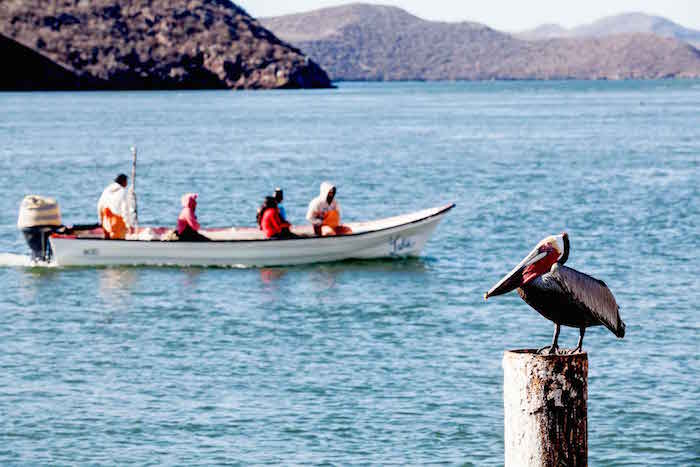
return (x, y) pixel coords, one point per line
(402, 265)
(191, 277)
(114, 287)
(34, 281)
(327, 273)
(270, 275)
(116, 283)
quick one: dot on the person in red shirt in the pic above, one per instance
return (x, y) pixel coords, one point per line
(271, 223)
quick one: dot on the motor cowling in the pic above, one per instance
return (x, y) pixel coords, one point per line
(38, 218)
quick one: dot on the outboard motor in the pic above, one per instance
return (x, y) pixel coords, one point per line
(38, 218)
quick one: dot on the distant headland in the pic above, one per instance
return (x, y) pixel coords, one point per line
(214, 44)
(145, 44)
(371, 42)
(625, 23)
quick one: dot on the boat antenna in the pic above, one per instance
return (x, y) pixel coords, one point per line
(132, 188)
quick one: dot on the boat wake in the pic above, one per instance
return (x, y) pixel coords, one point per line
(13, 260)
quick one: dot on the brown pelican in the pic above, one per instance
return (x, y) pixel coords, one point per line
(561, 294)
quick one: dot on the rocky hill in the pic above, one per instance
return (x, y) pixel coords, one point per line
(369, 42)
(145, 44)
(625, 23)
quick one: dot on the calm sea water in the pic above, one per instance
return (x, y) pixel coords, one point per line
(359, 362)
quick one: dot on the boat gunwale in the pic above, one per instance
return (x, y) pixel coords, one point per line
(330, 237)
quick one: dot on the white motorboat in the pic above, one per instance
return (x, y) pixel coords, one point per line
(398, 236)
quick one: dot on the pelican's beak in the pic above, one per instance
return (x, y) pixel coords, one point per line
(516, 277)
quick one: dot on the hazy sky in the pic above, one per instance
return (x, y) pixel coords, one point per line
(509, 15)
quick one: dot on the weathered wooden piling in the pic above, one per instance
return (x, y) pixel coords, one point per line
(545, 409)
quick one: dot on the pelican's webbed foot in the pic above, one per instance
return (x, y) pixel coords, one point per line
(548, 350)
(554, 346)
(579, 346)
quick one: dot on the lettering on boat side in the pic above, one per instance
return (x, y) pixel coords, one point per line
(398, 245)
(90, 252)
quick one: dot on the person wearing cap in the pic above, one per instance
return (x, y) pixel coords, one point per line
(113, 210)
(279, 197)
(324, 213)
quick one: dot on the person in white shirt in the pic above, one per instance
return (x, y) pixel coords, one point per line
(113, 209)
(324, 212)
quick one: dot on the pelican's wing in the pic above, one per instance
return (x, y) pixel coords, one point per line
(593, 294)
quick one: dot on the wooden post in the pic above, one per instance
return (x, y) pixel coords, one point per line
(545, 409)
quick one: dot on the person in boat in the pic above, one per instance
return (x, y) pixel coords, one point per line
(187, 225)
(270, 221)
(324, 213)
(113, 210)
(279, 197)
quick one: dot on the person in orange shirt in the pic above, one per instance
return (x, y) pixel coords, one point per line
(324, 213)
(113, 209)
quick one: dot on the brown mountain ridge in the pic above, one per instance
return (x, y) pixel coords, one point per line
(370, 42)
(145, 44)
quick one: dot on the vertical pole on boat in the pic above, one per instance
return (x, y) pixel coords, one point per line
(545, 409)
(132, 189)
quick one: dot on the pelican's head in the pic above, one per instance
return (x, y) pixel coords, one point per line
(551, 250)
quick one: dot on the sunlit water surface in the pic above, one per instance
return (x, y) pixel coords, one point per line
(358, 362)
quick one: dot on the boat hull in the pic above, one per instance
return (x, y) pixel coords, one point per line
(401, 240)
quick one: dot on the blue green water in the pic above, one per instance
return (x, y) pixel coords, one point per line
(360, 362)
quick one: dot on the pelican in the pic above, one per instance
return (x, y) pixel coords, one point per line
(563, 295)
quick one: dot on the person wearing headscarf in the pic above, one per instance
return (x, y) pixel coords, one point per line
(187, 224)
